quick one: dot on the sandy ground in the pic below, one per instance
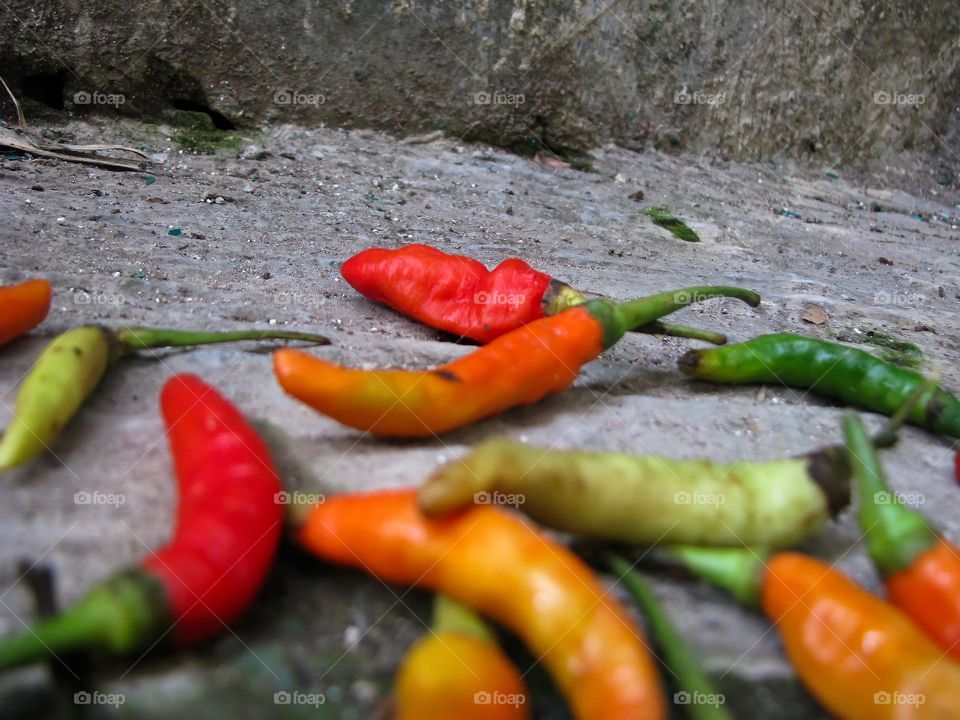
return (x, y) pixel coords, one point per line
(292, 208)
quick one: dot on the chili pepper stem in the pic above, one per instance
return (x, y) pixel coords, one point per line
(453, 617)
(677, 656)
(560, 296)
(896, 534)
(118, 616)
(636, 313)
(739, 571)
(682, 331)
(131, 339)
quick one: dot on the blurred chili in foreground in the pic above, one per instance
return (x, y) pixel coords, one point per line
(921, 568)
(504, 568)
(227, 532)
(458, 672)
(859, 656)
(643, 499)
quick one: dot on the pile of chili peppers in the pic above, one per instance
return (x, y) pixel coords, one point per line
(488, 563)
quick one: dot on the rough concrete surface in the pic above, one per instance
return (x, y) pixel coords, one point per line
(830, 80)
(298, 202)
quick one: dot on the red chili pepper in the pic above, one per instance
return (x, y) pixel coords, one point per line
(458, 295)
(228, 528)
(228, 522)
(22, 308)
(450, 292)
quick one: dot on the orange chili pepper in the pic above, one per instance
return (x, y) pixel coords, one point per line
(457, 670)
(517, 368)
(23, 307)
(494, 562)
(860, 656)
(921, 569)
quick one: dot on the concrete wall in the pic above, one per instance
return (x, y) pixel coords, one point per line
(827, 80)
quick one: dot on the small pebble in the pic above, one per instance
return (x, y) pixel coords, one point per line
(351, 635)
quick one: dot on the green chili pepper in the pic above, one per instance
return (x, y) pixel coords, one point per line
(852, 376)
(697, 694)
(72, 365)
(649, 499)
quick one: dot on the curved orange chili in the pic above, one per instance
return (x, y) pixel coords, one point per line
(921, 569)
(23, 307)
(457, 670)
(517, 368)
(494, 562)
(860, 656)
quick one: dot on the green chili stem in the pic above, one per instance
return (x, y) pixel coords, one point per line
(739, 571)
(636, 313)
(119, 615)
(887, 437)
(683, 331)
(131, 339)
(452, 616)
(896, 534)
(691, 678)
(560, 296)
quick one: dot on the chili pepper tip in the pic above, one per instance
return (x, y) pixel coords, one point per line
(830, 469)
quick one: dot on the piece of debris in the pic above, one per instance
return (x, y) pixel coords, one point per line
(815, 315)
(636, 196)
(664, 218)
(915, 327)
(175, 232)
(423, 139)
(884, 261)
(832, 175)
(550, 162)
(787, 212)
(26, 140)
(158, 200)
